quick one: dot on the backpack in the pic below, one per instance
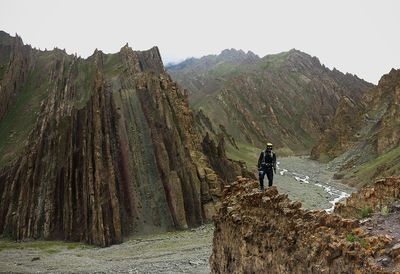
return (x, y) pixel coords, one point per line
(271, 158)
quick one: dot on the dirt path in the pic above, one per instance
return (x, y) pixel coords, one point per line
(171, 252)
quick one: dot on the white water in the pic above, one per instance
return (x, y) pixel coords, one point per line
(283, 171)
(336, 193)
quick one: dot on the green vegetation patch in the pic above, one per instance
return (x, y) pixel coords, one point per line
(113, 65)
(21, 117)
(246, 152)
(380, 166)
(352, 238)
(250, 153)
(50, 247)
(223, 69)
(365, 212)
(275, 60)
(84, 81)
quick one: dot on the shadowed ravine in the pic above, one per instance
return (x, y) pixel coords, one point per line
(172, 252)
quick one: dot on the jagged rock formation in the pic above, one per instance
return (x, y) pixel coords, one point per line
(382, 193)
(266, 232)
(98, 148)
(224, 166)
(200, 76)
(287, 98)
(340, 137)
(364, 133)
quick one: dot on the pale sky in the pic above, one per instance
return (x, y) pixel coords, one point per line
(357, 36)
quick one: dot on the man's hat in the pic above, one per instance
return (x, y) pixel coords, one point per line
(269, 145)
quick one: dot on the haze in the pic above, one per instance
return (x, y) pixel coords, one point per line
(360, 37)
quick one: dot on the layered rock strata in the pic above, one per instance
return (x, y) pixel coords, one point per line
(266, 232)
(15, 60)
(363, 135)
(95, 149)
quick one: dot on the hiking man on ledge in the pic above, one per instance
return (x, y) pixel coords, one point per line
(266, 166)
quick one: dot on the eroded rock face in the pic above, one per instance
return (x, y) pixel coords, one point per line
(15, 59)
(111, 149)
(341, 135)
(364, 133)
(380, 194)
(225, 168)
(266, 232)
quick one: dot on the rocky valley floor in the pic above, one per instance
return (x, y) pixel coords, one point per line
(171, 252)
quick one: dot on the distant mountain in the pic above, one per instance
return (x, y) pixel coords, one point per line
(203, 75)
(287, 98)
(364, 134)
(99, 148)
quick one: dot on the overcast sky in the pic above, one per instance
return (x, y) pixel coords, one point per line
(356, 36)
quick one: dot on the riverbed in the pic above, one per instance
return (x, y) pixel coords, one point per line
(170, 252)
(309, 182)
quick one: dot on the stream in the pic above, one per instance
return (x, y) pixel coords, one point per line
(310, 182)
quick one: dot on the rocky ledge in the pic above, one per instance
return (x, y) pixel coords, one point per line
(383, 193)
(266, 232)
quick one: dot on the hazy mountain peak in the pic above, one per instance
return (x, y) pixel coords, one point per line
(232, 52)
(236, 55)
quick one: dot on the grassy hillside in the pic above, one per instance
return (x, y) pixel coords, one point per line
(21, 117)
(387, 164)
(287, 99)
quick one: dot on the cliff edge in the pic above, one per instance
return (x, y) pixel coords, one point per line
(266, 232)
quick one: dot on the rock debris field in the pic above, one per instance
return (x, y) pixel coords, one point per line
(170, 252)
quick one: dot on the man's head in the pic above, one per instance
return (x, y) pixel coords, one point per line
(269, 146)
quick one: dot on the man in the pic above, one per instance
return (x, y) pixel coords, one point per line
(266, 166)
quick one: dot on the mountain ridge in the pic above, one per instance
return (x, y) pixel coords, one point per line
(99, 148)
(242, 95)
